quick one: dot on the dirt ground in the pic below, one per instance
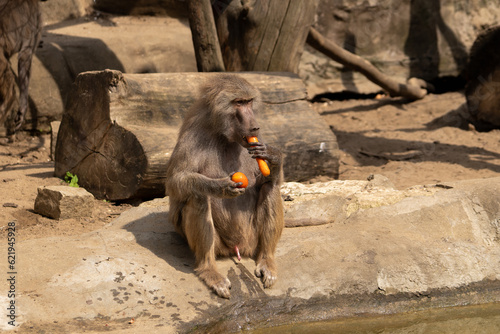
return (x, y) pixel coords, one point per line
(426, 141)
(422, 142)
(25, 165)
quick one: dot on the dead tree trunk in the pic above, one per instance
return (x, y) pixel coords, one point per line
(118, 130)
(206, 44)
(266, 35)
(414, 89)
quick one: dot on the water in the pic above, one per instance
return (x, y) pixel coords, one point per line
(482, 319)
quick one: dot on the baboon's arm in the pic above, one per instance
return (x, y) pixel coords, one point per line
(191, 183)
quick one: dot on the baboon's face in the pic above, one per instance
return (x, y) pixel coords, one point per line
(232, 104)
(243, 120)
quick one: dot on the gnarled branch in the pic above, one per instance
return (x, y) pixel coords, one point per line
(415, 89)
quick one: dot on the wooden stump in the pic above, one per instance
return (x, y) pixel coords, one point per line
(266, 35)
(204, 33)
(118, 130)
(483, 81)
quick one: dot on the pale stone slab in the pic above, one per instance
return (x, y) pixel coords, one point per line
(63, 202)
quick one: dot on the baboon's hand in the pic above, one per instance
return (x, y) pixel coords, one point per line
(270, 154)
(229, 189)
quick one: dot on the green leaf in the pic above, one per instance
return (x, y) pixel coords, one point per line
(71, 179)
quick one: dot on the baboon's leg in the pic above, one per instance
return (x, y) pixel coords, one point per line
(202, 238)
(270, 221)
(24, 70)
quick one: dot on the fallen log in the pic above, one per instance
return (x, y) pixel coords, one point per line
(118, 130)
(414, 89)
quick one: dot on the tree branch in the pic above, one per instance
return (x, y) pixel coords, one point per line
(415, 89)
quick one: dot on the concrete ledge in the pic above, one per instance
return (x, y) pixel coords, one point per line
(423, 247)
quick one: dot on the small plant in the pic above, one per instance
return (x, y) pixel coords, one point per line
(71, 179)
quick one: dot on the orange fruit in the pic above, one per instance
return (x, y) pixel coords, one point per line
(240, 177)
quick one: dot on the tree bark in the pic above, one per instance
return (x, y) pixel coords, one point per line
(118, 130)
(266, 35)
(415, 89)
(205, 41)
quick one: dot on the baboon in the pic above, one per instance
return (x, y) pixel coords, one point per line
(206, 207)
(20, 28)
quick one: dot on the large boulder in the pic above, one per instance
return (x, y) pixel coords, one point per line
(129, 44)
(386, 251)
(426, 39)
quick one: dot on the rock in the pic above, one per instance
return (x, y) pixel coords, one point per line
(63, 202)
(157, 202)
(377, 180)
(399, 251)
(424, 39)
(317, 211)
(334, 201)
(55, 11)
(127, 43)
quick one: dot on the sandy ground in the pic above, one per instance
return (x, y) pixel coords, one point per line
(410, 143)
(426, 141)
(26, 165)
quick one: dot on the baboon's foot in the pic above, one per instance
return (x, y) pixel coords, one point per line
(216, 282)
(18, 123)
(266, 270)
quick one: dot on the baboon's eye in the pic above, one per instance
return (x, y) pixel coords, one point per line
(241, 102)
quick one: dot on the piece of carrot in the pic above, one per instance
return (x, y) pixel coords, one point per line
(264, 168)
(252, 139)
